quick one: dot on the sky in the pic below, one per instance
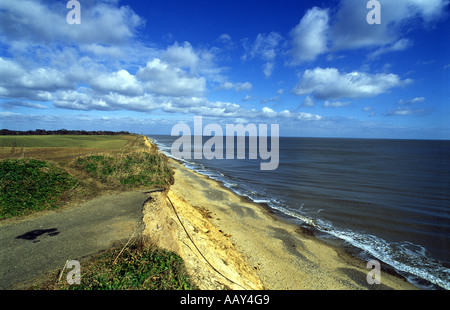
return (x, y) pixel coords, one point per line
(316, 68)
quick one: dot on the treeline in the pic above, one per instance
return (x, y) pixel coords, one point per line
(43, 132)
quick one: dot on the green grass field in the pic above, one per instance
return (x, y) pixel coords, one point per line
(45, 172)
(30, 185)
(101, 142)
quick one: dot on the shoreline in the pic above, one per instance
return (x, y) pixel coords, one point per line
(282, 255)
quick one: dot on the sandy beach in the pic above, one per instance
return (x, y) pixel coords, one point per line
(228, 241)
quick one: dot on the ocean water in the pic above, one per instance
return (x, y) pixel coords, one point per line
(389, 199)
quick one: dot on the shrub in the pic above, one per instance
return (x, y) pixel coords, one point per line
(29, 185)
(137, 267)
(130, 171)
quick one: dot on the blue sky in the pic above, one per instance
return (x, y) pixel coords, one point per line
(317, 68)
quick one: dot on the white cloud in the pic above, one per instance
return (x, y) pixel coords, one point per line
(413, 101)
(309, 37)
(182, 56)
(405, 112)
(336, 104)
(102, 50)
(35, 84)
(308, 116)
(352, 31)
(417, 99)
(268, 112)
(265, 47)
(321, 31)
(15, 104)
(243, 86)
(38, 21)
(199, 62)
(399, 45)
(329, 83)
(268, 69)
(163, 79)
(236, 86)
(308, 102)
(121, 82)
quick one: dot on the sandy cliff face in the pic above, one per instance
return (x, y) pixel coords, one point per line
(210, 257)
(149, 143)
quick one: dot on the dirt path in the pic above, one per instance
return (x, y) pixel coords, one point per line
(35, 245)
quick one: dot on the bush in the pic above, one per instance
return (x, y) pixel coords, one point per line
(29, 185)
(130, 171)
(137, 267)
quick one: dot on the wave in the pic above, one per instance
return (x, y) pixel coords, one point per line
(408, 259)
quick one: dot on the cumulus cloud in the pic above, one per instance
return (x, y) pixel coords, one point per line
(183, 56)
(321, 30)
(121, 82)
(36, 21)
(163, 79)
(350, 30)
(101, 65)
(268, 112)
(309, 37)
(329, 84)
(36, 84)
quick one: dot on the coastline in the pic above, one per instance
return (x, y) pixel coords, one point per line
(244, 245)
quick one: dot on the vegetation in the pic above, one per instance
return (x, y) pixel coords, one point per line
(132, 170)
(39, 172)
(137, 267)
(66, 141)
(29, 185)
(42, 172)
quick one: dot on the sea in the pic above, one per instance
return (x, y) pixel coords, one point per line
(387, 200)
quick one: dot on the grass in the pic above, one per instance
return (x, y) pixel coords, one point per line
(130, 170)
(45, 172)
(29, 185)
(137, 267)
(102, 142)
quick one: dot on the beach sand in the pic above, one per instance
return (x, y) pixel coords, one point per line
(229, 241)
